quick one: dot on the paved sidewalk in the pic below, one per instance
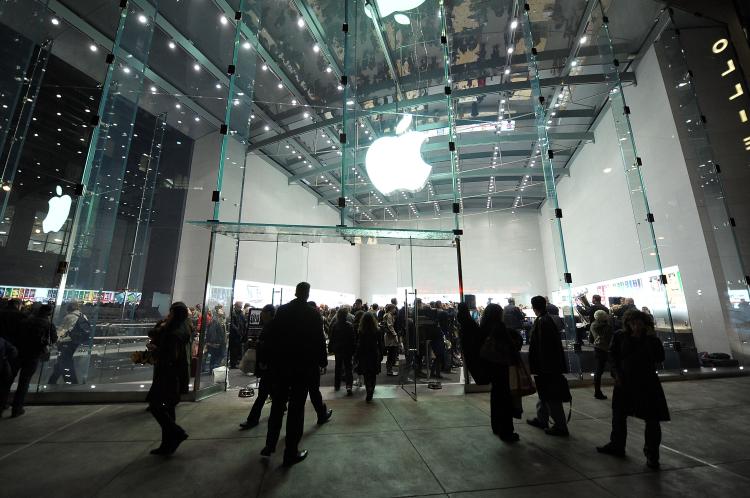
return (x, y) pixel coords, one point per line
(441, 445)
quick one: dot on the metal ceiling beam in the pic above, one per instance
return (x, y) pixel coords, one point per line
(449, 198)
(586, 79)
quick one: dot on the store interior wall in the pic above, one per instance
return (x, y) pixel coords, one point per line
(598, 225)
(332, 266)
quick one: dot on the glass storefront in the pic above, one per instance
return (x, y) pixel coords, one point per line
(220, 151)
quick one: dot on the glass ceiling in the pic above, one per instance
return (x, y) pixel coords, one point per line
(295, 106)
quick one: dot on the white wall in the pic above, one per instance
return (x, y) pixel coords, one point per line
(501, 253)
(598, 224)
(270, 199)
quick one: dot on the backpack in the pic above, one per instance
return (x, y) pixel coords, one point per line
(81, 331)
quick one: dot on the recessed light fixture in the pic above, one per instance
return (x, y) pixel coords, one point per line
(267, 128)
(607, 170)
(93, 48)
(172, 45)
(197, 66)
(328, 69)
(177, 106)
(316, 48)
(246, 45)
(300, 22)
(197, 119)
(264, 67)
(510, 50)
(55, 21)
(573, 63)
(126, 70)
(142, 19)
(584, 38)
(514, 24)
(507, 70)
(223, 20)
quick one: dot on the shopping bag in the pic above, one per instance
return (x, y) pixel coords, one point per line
(520, 380)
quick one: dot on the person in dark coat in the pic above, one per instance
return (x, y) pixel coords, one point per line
(548, 365)
(313, 388)
(369, 352)
(297, 352)
(215, 341)
(474, 337)
(237, 329)
(262, 370)
(341, 343)
(37, 334)
(601, 334)
(636, 353)
(170, 348)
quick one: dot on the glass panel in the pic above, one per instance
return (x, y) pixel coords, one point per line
(661, 307)
(703, 168)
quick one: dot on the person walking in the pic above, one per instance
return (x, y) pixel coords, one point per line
(636, 353)
(547, 364)
(601, 333)
(369, 352)
(262, 370)
(313, 389)
(74, 328)
(215, 340)
(37, 335)
(391, 339)
(170, 347)
(297, 352)
(342, 342)
(513, 317)
(493, 351)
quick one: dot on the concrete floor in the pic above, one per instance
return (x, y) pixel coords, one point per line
(441, 445)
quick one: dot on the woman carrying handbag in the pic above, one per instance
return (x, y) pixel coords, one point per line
(489, 351)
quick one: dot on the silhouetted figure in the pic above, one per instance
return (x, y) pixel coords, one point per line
(37, 335)
(601, 333)
(170, 347)
(341, 343)
(547, 364)
(237, 326)
(297, 350)
(391, 338)
(636, 353)
(262, 370)
(369, 352)
(71, 333)
(313, 389)
(215, 340)
(489, 360)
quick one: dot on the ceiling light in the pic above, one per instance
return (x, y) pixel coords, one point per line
(142, 19)
(294, 101)
(584, 38)
(177, 106)
(514, 24)
(197, 66)
(267, 128)
(218, 86)
(607, 170)
(507, 70)
(172, 45)
(197, 119)
(126, 70)
(340, 88)
(574, 63)
(55, 21)
(264, 67)
(306, 115)
(246, 45)
(316, 48)
(153, 89)
(93, 47)
(510, 50)
(301, 22)
(280, 85)
(223, 20)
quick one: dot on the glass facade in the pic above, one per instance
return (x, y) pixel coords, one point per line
(220, 151)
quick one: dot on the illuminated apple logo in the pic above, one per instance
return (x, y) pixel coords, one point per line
(395, 163)
(388, 7)
(59, 207)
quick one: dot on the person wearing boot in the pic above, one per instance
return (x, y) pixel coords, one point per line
(601, 332)
(636, 353)
(391, 339)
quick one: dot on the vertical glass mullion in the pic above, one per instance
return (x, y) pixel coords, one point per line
(228, 112)
(563, 275)
(642, 215)
(453, 150)
(347, 78)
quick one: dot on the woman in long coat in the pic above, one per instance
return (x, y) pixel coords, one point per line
(369, 352)
(635, 353)
(170, 349)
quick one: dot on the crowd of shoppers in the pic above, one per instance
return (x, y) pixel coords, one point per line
(296, 338)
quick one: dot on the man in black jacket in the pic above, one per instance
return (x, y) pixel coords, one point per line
(547, 363)
(262, 367)
(297, 352)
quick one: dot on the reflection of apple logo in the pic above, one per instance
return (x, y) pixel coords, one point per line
(59, 207)
(388, 7)
(395, 163)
